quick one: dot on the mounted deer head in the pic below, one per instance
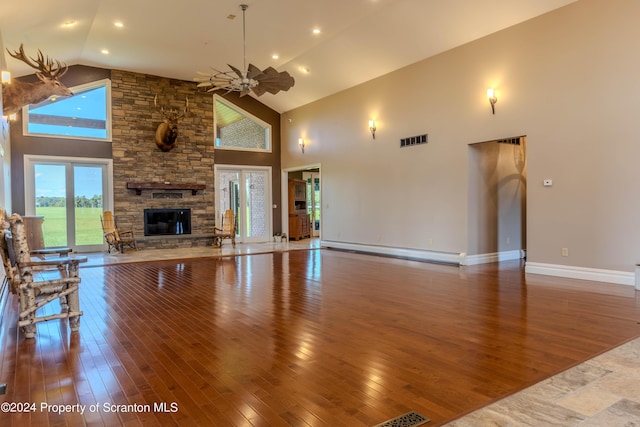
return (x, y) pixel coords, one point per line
(167, 131)
(17, 94)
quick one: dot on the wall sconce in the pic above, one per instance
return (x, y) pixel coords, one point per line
(301, 144)
(372, 128)
(492, 99)
(6, 77)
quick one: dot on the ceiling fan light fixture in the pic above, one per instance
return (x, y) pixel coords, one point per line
(249, 79)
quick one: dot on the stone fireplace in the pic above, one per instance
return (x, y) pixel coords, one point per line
(147, 179)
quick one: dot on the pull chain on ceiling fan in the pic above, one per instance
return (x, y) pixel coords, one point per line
(251, 79)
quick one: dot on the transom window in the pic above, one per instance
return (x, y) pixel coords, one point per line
(238, 130)
(85, 115)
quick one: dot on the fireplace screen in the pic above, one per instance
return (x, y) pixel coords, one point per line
(159, 222)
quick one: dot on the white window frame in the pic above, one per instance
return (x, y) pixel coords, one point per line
(76, 89)
(29, 182)
(267, 128)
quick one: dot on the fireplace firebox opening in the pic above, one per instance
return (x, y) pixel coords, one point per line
(162, 222)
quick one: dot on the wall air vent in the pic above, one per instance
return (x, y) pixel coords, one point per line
(512, 141)
(414, 140)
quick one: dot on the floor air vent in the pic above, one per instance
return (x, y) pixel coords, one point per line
(410, 419)
(414, 140)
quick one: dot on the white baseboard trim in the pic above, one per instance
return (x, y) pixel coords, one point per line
(583, 273)
(493, 257)
(418, 254)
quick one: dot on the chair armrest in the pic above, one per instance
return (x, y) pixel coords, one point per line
(53, 262)
(125, 233)
(51, 251)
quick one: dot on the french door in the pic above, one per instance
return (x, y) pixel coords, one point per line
(247, 191)
(70, 194)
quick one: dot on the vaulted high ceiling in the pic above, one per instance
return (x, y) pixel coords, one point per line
(358, 40)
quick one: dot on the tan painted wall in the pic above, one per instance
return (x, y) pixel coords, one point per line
(569, 80)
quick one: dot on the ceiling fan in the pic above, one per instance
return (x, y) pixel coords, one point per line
(249, 79)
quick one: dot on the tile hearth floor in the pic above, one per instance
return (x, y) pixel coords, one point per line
(103, 258)
(603, 391)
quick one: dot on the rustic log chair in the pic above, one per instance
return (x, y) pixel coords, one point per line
(10, 273)
(38, 282)
(227, 229)
(118, 239)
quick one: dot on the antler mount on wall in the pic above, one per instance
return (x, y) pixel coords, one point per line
(167, 131)
(17, 94)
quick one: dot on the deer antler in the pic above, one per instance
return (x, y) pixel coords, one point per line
(45, 66)
(171, 114)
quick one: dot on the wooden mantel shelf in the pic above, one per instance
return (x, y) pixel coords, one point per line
(139, 186)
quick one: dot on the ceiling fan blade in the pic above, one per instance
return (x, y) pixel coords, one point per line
(259, 90)
(253, 72)
(237, 71)
(273, 81)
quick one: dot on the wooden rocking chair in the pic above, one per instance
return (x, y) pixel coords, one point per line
(115, 238)
(38, 282)
(227, 229)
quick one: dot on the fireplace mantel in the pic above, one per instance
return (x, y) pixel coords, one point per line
(139, 186)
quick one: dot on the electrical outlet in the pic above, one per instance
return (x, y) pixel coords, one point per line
(565, 251)
(508, 241)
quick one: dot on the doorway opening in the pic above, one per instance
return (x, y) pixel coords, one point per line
(497, 200)
(311, 175)
(69, 195)
(246, 190)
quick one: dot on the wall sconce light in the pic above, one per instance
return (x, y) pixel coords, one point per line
(13, 117)
(301, 144)
(372, 128)
(6, 77)
(492, 99)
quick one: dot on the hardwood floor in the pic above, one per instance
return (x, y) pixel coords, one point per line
(304, 338)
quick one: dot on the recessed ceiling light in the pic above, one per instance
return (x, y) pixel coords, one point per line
(118, 24)
(70, 23)
(316, 31)
(105, 51)
(275, 56)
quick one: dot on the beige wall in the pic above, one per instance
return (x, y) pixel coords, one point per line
(569, 80)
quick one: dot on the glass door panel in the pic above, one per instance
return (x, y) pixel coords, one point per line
(316, 204)
(313, 200)
(71, 194)
(248, 193)
(87, 196)
(257, 215)
(51, 202)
